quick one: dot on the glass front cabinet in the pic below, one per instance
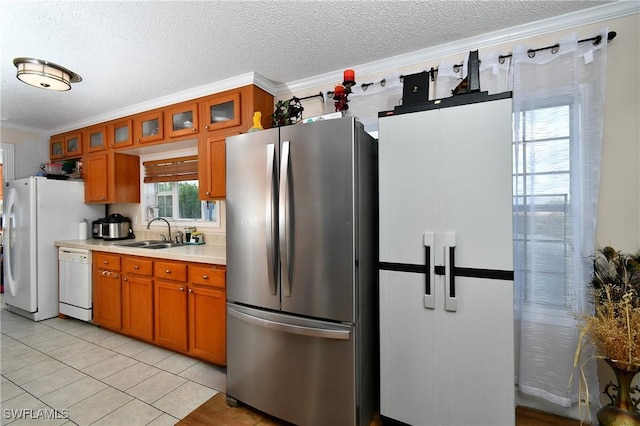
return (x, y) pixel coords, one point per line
(68, 145)
(121, 133)
(182, 120)
(96, 138)
(147, 127)
(221, 112)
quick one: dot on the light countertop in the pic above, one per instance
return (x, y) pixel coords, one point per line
(215, 254)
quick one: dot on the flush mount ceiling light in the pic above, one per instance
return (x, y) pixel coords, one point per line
(44, 74)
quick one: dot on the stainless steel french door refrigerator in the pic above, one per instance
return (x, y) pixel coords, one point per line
(446, 263)
(302, 272)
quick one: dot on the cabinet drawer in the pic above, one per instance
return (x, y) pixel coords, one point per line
(170, 271)
(137, 266)
(207, 275)
(106, 261)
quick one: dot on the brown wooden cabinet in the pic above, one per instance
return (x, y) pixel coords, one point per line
(112, 177)
(66, 146)
(221, 111)
(182, 120)
(107, 291)
(207, 313)
(95, 138)
(176, 305)
(121, 133)
(212, 167)
(170, 303)
(222, 115)
(148, 127)
(137, 297)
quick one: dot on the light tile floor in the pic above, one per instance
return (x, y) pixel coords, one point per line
(92, 376)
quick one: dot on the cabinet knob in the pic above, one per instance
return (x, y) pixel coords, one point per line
(206, 127)
(181, 288)
(194, 129)
(168, 271)
(190, 290)
(138, 140)
(125, 279)
(208, 193)
(205, 277)
(115, 275)
(136, 267)
(106, 262)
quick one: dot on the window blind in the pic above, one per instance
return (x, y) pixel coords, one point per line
(171, 169)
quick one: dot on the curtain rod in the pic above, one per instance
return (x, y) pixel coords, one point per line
(531, 53)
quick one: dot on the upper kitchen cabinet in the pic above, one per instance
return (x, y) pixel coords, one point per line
(95, 138)
(182, 120)
(221, 111)
(112, 177)
(67, 145)
(239, 104)
(121, 133)
(148, 127)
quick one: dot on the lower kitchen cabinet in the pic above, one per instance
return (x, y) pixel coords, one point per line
(207, 324)
(170, 301)
(176, 305)
(107, 291)
(137, 297)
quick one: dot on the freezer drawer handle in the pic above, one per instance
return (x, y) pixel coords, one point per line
(429, 294)
(450, 302)
(283, 219)
(292, 329)
(269, 225)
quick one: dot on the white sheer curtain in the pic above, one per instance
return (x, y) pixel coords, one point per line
(558, 97)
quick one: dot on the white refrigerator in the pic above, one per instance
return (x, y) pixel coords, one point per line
(446, 263)
(37, 212)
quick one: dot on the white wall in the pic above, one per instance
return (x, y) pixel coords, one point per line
(31, 149)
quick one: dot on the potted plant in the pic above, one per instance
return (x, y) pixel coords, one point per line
(614, 328)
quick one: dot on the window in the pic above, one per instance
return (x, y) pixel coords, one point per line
(171, 192)
(542, 198)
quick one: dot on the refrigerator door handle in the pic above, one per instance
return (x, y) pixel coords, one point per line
(290, 328)
(10, 240)
(450, 302)
(269, 225)
(283, 219)
(429, 293)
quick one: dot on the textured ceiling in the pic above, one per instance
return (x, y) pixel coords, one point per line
(132, 52)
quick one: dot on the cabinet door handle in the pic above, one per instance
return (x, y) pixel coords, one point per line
(450, 301)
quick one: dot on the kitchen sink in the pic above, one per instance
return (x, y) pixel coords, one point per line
(143, 243)
(163, 244)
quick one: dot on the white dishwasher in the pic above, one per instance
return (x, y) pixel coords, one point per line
(74, 281)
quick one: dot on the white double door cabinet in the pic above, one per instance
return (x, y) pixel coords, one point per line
(446, 266)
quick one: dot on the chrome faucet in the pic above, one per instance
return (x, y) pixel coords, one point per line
(160, 218)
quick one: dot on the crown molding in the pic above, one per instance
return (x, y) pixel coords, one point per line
(614, 10)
